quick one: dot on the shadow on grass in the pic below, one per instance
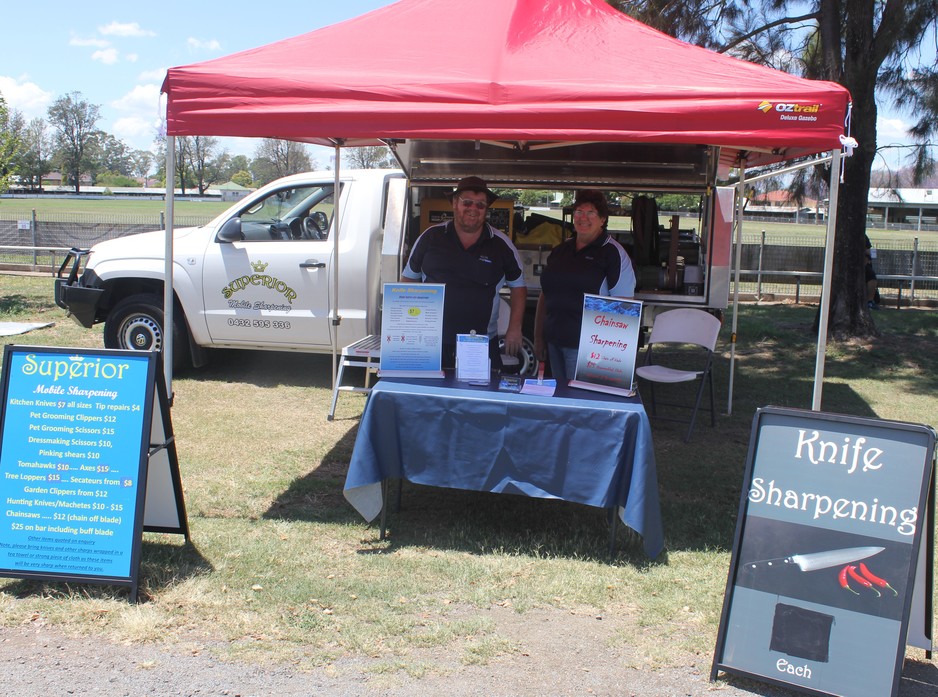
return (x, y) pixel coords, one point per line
(163, 563)
(317, 496)
(466, 521)
(699, 483)
(482, 523)
(265, 368)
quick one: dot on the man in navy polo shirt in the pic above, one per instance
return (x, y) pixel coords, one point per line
(473, 260)
(590, 262)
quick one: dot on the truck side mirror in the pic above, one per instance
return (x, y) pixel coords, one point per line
(230, 231)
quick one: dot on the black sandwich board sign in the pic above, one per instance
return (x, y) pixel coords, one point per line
(87, 463)
(831, 524)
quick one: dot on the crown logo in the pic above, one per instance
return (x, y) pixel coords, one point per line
(259, 265)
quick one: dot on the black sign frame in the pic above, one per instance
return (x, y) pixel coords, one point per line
(793, 619)
(75, 449)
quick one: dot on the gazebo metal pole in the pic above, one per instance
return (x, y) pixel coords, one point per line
(740, 207)
(168, 267)
(826, 281)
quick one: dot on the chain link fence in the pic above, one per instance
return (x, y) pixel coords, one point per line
(792, 267)
(772, 265)
(40, 243)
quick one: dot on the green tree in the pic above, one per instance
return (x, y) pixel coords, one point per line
(183, 163)
(10, 146)
(275, 158)
(242, 178)
(871, 48)
(35, 160)
(74, 121)
(369, 157)
(142, 164)
(678, 202)
(535, 197)
(113, 179)
(206, 161)
(110, 155)
(235, 164)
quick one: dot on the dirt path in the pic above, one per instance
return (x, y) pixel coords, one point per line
(553, 653)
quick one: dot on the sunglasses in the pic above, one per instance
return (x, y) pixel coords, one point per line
(469, 203)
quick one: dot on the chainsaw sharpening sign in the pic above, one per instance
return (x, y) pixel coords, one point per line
(830, 527)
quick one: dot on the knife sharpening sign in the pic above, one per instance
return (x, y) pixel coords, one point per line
(825, 560)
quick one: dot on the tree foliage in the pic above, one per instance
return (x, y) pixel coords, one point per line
(74, 121)
(10, 146)
(275, 158)
(69, 141)
(369, 157)
(143, 164)
(207, 161)
(873, 49)
(109, 154)
(242, 178)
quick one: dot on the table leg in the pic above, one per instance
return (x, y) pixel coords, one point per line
(613, 528)
(386, 485)
(385, 488)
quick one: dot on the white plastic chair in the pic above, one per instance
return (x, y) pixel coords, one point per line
(689, 327)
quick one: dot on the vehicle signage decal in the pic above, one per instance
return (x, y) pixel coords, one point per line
(261, 280)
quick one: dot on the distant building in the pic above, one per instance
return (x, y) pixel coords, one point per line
(917, 207)
(231, 191)
(780, 204)
(56, 179)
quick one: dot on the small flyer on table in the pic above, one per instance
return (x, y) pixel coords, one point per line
(539, 387)
(472, 358)
(412, 330)
(608, 345)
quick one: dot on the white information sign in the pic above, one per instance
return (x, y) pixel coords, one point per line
(472, 358)
(608, 344)
(411, 330)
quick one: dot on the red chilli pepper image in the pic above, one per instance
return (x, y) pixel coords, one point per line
(852, 572)
(842, 577)
(876, 580)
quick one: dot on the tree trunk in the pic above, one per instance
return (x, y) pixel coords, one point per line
(849, 314)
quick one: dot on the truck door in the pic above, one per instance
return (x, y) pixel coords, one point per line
(271, 287)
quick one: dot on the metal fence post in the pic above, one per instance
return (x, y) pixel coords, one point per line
(35, 241)
(914, 269)
(759, 273)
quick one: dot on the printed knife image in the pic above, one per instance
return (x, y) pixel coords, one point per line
(819, 560)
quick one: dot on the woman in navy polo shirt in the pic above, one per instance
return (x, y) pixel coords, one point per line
(590, 262)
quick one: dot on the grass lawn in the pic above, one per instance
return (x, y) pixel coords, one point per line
(776, 232)
(59, 207)
(281, 568)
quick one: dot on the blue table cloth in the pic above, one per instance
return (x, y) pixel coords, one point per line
(578, 446)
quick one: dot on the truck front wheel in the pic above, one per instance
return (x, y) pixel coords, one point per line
(136, 323)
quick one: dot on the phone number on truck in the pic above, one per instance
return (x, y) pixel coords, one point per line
(259, 323)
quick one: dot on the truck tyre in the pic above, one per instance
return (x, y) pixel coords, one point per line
(136, 323)
(527, 361)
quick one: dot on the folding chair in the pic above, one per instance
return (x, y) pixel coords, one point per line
(687, 327)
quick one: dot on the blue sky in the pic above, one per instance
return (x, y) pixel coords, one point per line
(116, 54)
